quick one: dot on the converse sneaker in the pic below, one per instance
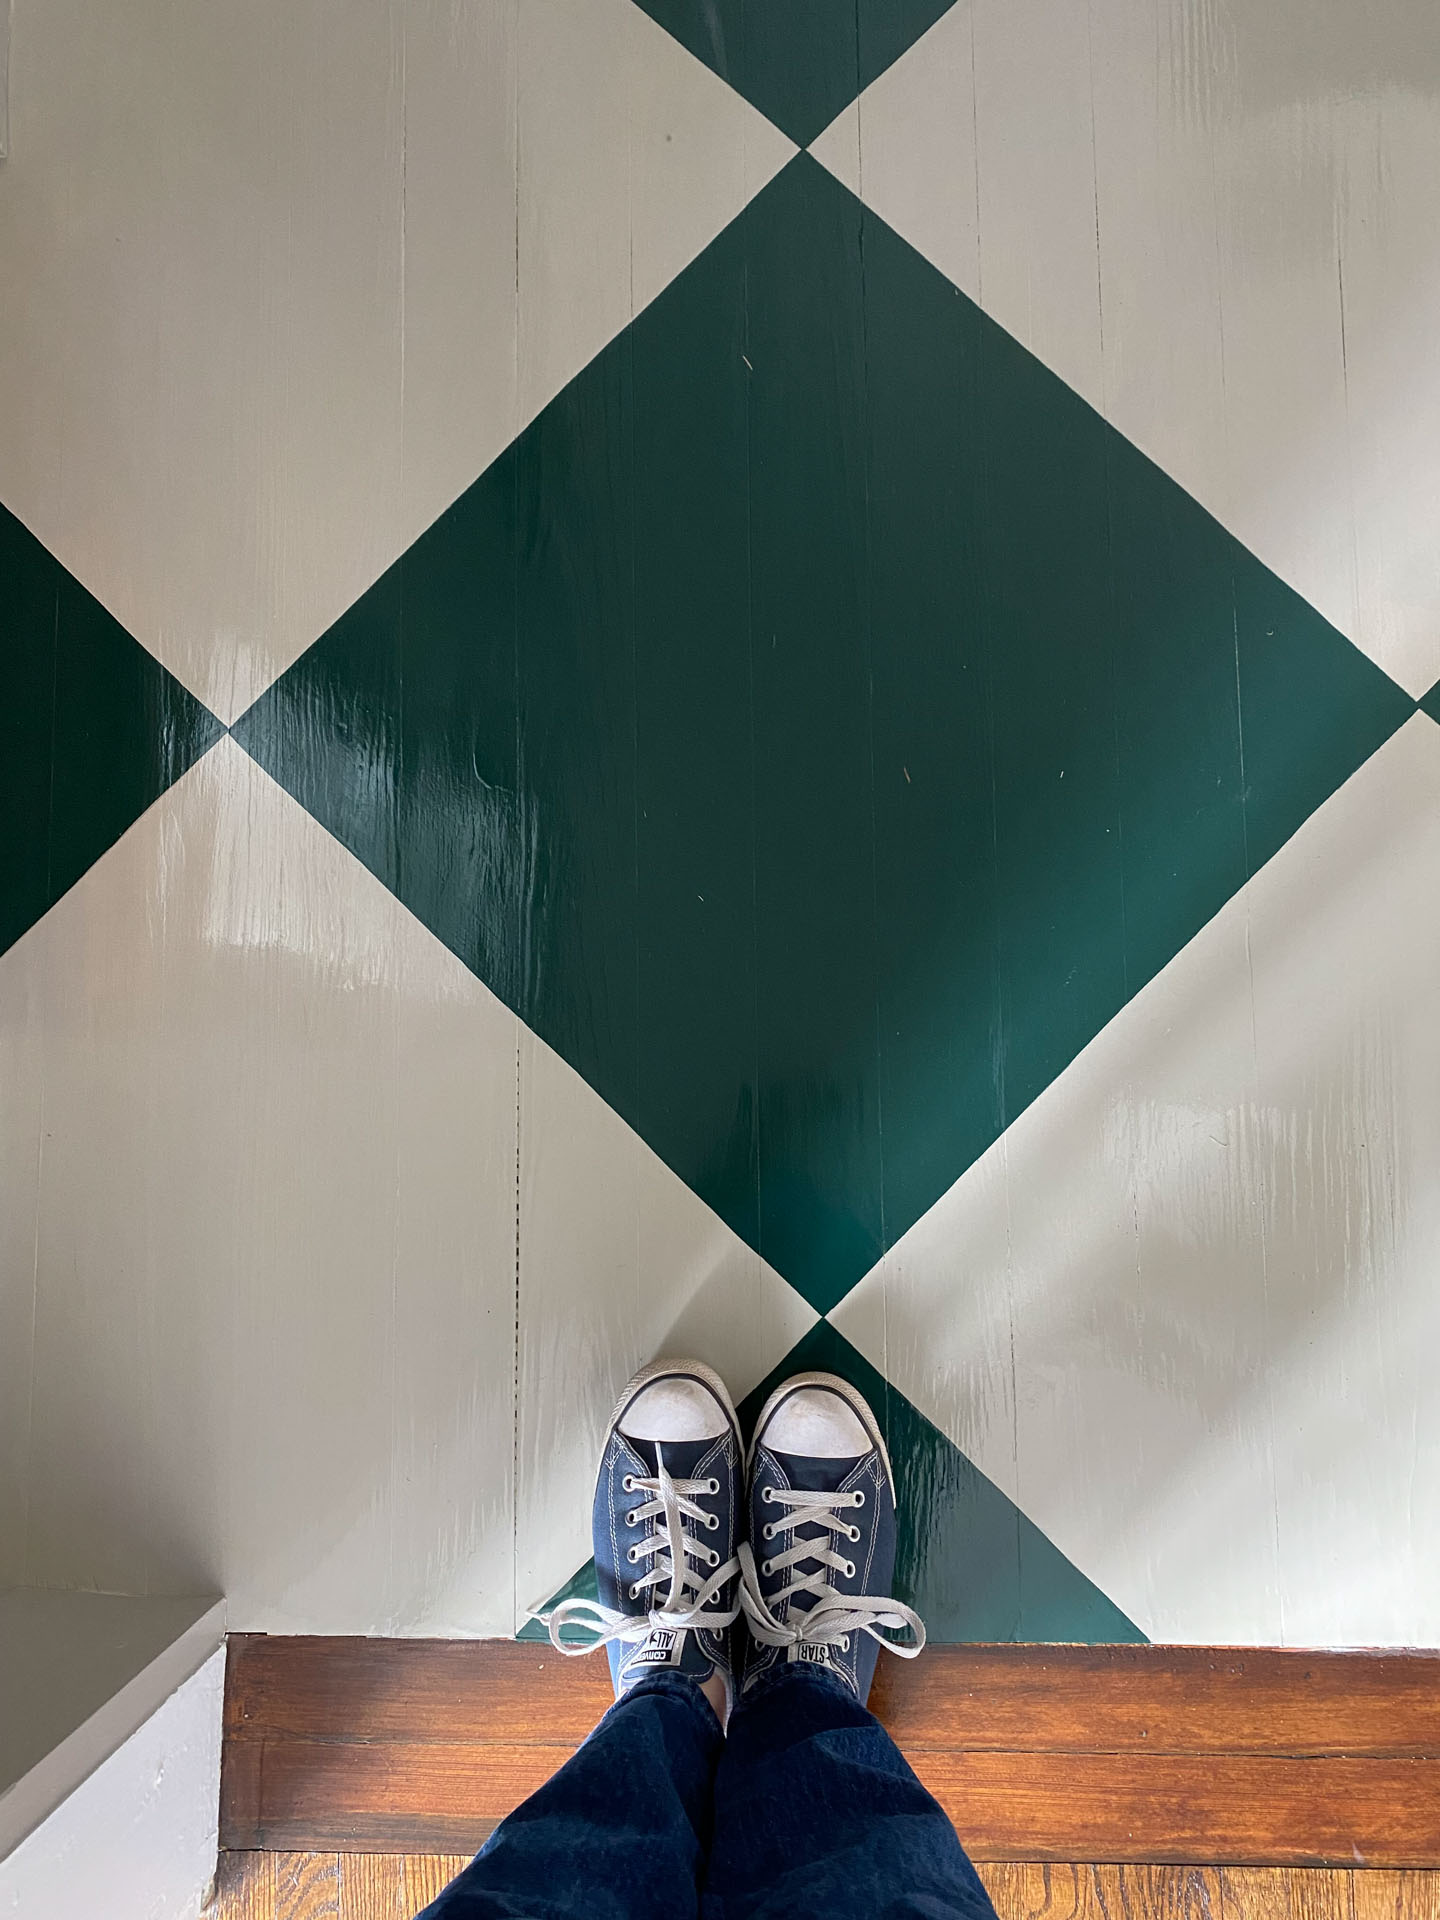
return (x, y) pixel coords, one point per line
(821, 1546)
(665, 1521)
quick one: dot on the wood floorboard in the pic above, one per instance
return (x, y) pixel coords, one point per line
(1125, 1754)
(281, 1886)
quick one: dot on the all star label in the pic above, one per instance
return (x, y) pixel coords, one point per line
(816, 1652)
(657, 1651)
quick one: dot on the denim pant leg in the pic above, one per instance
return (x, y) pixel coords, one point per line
(818, 1816)
(619, 1833)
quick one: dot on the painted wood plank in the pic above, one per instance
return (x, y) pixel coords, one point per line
(1216, 231)
(1178, 1237)
(307, 1101)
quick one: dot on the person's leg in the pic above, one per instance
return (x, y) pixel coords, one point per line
(817, 1813)
(620, 1832)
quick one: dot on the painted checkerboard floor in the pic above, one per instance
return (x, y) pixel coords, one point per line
(684, 680)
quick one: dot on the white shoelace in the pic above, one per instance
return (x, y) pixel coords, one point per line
(687, 1602)
(832, 1617)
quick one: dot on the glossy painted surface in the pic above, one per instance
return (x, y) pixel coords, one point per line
(92, 729)
(815, 746)
(1217, 223)
(305, 273)
(1184, 1312)
(273, 1242)
(807, 738)
(802, 62)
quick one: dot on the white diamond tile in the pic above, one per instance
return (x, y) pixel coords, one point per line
(620, 1264)
(1217, 227)
(276, 1273)
(295, 275)
(263, 1207)
(1184, 1310)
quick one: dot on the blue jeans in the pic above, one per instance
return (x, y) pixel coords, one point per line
(808, 1808)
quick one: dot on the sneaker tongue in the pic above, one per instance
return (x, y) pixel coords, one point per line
(813, 1473)
(682, 1457)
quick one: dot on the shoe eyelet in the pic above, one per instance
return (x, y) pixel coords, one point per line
(714, 1558)
(713, 1485)
(766, 1531)
(628, 1483)
(630, 1516)
(767, 1494)
(634, 1592)
(844, 1643)
(854, 1532)
(712, 1521)
(857, 1499)
(849, 1569)
(764, 1566)
(633, 1555)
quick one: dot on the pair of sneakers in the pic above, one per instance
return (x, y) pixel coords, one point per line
(709, 1565)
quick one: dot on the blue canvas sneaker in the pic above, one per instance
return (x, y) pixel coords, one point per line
(665, 1525)
(817, 1566)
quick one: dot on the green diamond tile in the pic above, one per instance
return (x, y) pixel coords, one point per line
(1431, 702)
(967, 1559)
(817, 725)
(92, 730)
(799, 61)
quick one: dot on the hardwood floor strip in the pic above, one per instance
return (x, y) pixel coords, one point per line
(378, 1886)
(1214, 1756)
(307, 1887)
(1129, 1808)
(445, 1690)
(1188, 1808)
(1081, 1699)
(1259, 1893)
(427, 1875)
(1395, 1896)
(1164, 1700)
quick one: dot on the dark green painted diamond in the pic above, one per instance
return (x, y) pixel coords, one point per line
(1431, 702)
(92, 730)
(817, 726)
(800, 62)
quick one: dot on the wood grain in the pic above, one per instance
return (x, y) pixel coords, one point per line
(427, 1875)
(1252, 1893)
(307, 1887)
(1395, 1896)
(1200, 1808)
(1163, 1699)
(394, 1887)
(1127, 1754)
(1029, 1890)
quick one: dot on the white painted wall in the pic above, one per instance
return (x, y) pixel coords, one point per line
(79, 1674)
(137, 1840)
